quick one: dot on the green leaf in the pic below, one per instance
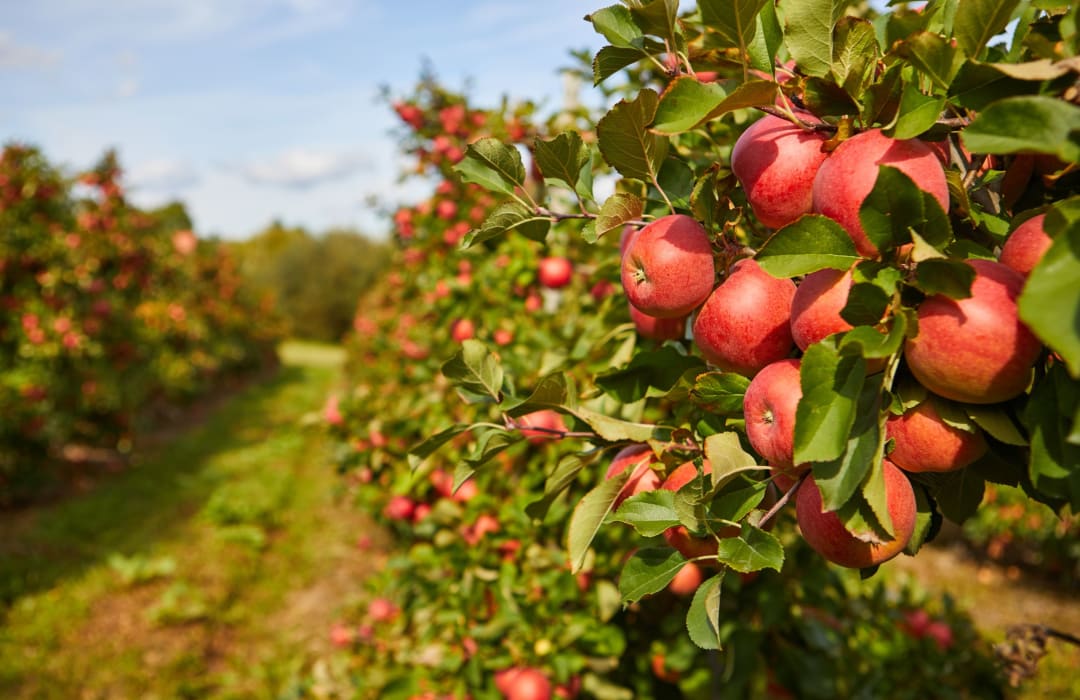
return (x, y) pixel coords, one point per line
(616, 430)
(893, 207)
(560, 479)
(733, 22)
(686, 103)
(1026, 125)
(808, 33)
(431, 445)
(1050, 302)
(927, 520)
(562, 158)
(831, 386)
(980, 84)
(952, 278)
(649, 374)
(871, 343)
(489, 443)
(648, 571)
(720, 392)
(752, 93)
(476, 369)
(855, 49)
(509, 216)
(703, 616)
(866, 304)
(727, 457)
(997, 423)
(551, 392)
(589, 515)
(658, 17)
(839, 479)
(611, 59)
(1050, 417)
(873, 490)
(811, 243)
(734, 504)
(754, 549)
(957, 493)
(918, 112)
(978, 21)
(676, 180)
(625, 141)
(619, 209)
(617, 25)
(493, 165)
(933, 56)
(649, 513)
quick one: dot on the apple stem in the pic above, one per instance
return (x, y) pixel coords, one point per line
(782, 501)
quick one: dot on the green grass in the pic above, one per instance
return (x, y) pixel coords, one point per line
(210, 568)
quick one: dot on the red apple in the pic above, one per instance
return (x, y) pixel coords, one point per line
(399, 508)
(926, 443)
(769, 410)
(382, 610)
(658, 328)
(776, 161)
(746, 322)
(1026, 245)
(555, 273)
(638, 459)
(975, 350)
(668, 270)
(523, 684)
(462, 330)
(824, 532)
(848, 175)
(816, 307)
(540, 426)
(687, 580)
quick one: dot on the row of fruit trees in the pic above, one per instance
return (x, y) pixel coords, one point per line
(110, 315)
(657, 443)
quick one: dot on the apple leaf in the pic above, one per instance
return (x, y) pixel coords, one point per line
(978, 21)
(649, 513)
(619, 209)
(551, 391)
(476, 369)
(933, 56)
(951, 278)
(617, 25)
(811, 243)
(560, 479)
(732, 22)
(957, 493)
(493, 165)
(752, 93)
(871, 343)
(649, 374)
(703, 616)
(685, 103)
(509, 216)
(768, 37)
(676, 180)
(562, 158)
(616, 430)
(720, 392)
(754, 549)
(855, 49)
(997, 423)
(649, 571)
(859, 519)
(831, 386)
(489, 443)
(866, 304)
(977, 85)
(1032, 124)
(808, 33)
(659, 18)
(927, 520)
(892, 208)
(918, 112)
(735, 501)
(1050, 417)
(1050, 302)
(611, 59)
(728, 458)
(432, 444)
(589, 515)
(625, 141)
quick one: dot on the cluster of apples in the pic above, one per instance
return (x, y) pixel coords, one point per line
(974, 350)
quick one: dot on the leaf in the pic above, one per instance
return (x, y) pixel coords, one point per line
(1026, 125)
(866, 304)
(977, 85)
(703, 616)
(431, 445)
(996, 422)
(617, 25)
(649, 513)
(933, 56)
(978, 21)
(589, 515)
(611, 59)
(624, 139)
(658, 17)
(831, 386)
(489, 443)
(839, 479)
(754, 549)
(493, 165)
(562, 158)
(649, 571)
(551, 391)
(720, 392)
(1050, 416)
(564, 474)
(855, 49)
(476, 369)
(733, 22)
(752, 93)
(808, 33)
(871, 343)
(649, 374)
(957, 493)
(727, 457)
(811, 243)
(510, 216)
(893, 207)
(616, 430)
(918, 113)
(951, 278)
(1050, 302)
(686, 103)
(619, 209)
(676, 180)
(736, 503)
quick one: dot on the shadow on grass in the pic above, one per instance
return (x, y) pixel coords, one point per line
(128, 512)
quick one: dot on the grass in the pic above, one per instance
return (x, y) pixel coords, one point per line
(211, 568)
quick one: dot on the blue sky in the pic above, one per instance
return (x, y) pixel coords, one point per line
(250, 110)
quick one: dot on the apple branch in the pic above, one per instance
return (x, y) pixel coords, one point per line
(783, 500)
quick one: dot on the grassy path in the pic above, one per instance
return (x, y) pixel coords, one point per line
(212, 568)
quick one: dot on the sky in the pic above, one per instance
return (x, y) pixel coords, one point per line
(251, 111)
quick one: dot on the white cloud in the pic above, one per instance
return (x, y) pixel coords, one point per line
(14, 55)
(162, 174)
(304, 167)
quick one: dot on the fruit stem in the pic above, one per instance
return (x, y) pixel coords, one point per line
(782, 501)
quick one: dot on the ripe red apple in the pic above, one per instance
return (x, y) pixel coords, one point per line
(658, 328)
(678, 537)
(545, 425)
(399, 508)
(826, 534)
(776, 161)
(848, 175)
(746, 322)
(975, 350)
(555, 272)
(382, 610)
(523, 683)
(462, 330)
(1026, 245)
(332, 411)
(668, 270)
(924, 442)
(769, 409)
(816, 307)
(638, 459)
(687, 580)
(502, 336)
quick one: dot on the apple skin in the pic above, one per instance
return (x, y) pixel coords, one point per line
(523, 683)
(660, 329)
(687, 580)
(848, 175)
(926, 443)
(769, 410)
(638, 458)
(1026, 245)
(776, 161)
(816, 306)
(975, 350)
(555, 272)
(668, 268)
(546, 418)
(827, 536)
(745, 323)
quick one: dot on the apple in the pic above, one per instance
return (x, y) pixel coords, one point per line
(637, 458)
(660, 329)
(824, 532)
(382, 610)
(555, 272)
(660, 669)
(1026, 245)
(462, 330)
(668, 270)
(775, 161)
(542, 425)
(924, 442)
(769, 411)
(502, 336)
(848, 175)
(687, 580)
(975, 350)
(816, 306)
(746, 322)
(523, 683)
(332, 411)
(399, 508)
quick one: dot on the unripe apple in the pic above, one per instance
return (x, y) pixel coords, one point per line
(668, 270)
(975, 350)
(638, 459)
(826, 534)
(746, 322)
(658, 328)
(848, 175)
(555, 272)
(776, 161)
(924, 442)
(816, 306)
(1025, 246)
(769, 410)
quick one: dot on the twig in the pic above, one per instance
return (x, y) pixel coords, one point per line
(782, 501)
